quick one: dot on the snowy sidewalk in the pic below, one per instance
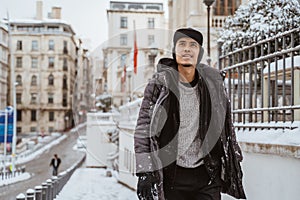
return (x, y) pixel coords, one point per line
(92, 183)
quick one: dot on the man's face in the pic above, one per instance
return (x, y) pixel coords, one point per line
(187, 51)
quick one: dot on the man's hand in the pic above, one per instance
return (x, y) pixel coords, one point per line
(145, 186)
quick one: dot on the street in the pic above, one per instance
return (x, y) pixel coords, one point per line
(39, 167)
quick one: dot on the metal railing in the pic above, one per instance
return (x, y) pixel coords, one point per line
(7, 174)
(50, 189)
(263, 80)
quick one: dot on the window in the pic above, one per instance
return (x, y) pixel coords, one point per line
(19, 115)
(151, 23)
(51, 44)
(50, 97)
(33, 115)
(226, 8)
(19, 62)
(65, 65)
(51, 116)
(65, 85)
(34, 80)
(34, 62)
(123, 22)
(19, 79)
(51, 62)
(150, 39)
(65, 50)
(123, 39)
(33, 98)
(19, 129)
(34, 45)
(19, 45)
(33, 129)
(50, 79)
(123, 60)
(65, 100)
(19, 98)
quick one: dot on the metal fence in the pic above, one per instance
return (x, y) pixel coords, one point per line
(7, 174)
(263, 80)
(50, 189)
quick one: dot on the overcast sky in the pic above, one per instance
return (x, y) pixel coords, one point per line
(87, 17)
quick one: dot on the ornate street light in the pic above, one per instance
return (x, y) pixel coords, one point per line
(208, 3)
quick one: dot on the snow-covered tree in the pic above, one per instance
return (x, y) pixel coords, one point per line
(259, 19)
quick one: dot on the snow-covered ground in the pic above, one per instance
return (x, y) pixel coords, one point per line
(92, 183)
(29, 157)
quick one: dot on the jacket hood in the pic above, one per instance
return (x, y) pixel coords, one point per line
(165, 63)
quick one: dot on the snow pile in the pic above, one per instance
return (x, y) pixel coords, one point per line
(259, 19)
(92, 183)
(279, 136)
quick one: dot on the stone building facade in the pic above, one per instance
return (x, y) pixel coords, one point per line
(44, 52)
(4, 70)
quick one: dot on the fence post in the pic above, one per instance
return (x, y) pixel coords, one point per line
(50, 189)
(21, 196)
(30, 194)
(297, 93)
(55, 183)
(38, 192)
(44, 191)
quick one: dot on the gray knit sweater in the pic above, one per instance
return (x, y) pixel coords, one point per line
(189, 142)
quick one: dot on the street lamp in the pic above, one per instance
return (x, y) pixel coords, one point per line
(153, 54)
(129, 71)
(208, 3)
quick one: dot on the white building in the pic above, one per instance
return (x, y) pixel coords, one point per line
(193, 13)
(3, 66)
(44, 53)
(150, 37)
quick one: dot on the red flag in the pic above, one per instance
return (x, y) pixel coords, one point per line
(135, 51)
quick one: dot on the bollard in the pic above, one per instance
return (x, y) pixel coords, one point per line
(44, 191)
(50, 189)
(55, 183)
(38, 192)
(21, 196)
(30, 194)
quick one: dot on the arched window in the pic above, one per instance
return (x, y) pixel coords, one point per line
(50, 79)
(33, 80)
(19, 80)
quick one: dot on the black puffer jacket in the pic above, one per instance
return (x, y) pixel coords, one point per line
(158, 124)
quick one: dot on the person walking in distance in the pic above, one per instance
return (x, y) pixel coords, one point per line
(184, 140)
(55, 162)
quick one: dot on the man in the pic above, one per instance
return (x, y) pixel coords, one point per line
(55, 162)
(185, 144)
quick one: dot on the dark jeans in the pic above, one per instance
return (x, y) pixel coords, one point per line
(193, 184)
(54, 172)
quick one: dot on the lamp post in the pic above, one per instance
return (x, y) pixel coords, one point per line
(208, 3)
(129, 71)
(152, 55)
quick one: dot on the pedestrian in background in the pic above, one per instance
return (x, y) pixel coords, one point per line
(185, 144)
(55, 162)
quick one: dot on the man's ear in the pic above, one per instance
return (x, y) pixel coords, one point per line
(201, 52)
